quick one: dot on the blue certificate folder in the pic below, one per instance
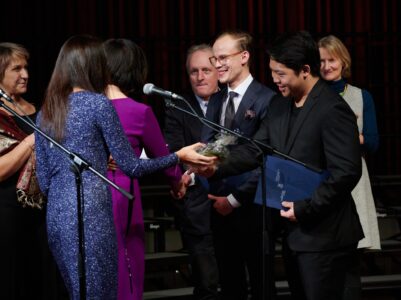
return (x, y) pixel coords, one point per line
(287, 181)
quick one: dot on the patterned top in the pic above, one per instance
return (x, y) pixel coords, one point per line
(93, 131)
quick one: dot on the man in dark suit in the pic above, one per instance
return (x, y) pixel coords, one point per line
(182, 129)
(236, 220)
(314, 125)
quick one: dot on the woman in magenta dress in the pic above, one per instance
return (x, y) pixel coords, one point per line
(128, 68)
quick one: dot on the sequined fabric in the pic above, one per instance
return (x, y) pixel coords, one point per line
(92, 131)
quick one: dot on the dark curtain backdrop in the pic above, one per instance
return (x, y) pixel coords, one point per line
(165, 29)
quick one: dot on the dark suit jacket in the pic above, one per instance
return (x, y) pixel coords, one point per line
(181, 130)
(250, 113)
(325, 136)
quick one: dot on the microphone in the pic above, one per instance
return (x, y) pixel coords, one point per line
(4, 95)
(150, 88)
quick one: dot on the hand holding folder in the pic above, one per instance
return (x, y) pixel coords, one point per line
(287, 181)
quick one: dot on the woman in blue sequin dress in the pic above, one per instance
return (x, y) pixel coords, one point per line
(77, 114)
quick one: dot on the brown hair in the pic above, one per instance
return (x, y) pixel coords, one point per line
(8, 51)
(80, 63)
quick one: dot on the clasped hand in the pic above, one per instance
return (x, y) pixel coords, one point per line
(180, 188)
(189, 156)
(221, 204)
(290, 213)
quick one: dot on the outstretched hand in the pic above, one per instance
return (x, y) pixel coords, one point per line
(189, 156)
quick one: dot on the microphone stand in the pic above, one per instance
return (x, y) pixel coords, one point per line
(259, 145)
(78, 165)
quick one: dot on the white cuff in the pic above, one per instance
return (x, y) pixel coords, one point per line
(192, 178)
(234, 203)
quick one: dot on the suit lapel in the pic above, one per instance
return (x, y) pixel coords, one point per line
(246, 102)
(215, 105)
(195, 104)
(310, 102)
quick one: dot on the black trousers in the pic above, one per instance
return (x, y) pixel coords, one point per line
(353, 286)
(204, 266)
(238, 245)
(319, 275)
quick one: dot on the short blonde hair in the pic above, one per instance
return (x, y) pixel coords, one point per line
(243, 39)
(337, 48)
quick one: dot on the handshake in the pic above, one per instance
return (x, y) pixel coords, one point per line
(204, 165)
(202, 159)
(179, 189)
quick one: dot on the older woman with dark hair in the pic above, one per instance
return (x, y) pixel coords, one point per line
(79, 116)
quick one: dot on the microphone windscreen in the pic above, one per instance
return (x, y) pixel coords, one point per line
(4, 95)
(147, 88)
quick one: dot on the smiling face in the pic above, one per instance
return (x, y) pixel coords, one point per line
(231, 63)
(331, 67)
(202, 75)
(288, 82)
(15, 80)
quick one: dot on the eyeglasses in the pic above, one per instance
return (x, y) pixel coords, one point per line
(222, 59)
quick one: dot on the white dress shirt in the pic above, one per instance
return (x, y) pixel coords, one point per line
(240, 90)
(202, 104)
